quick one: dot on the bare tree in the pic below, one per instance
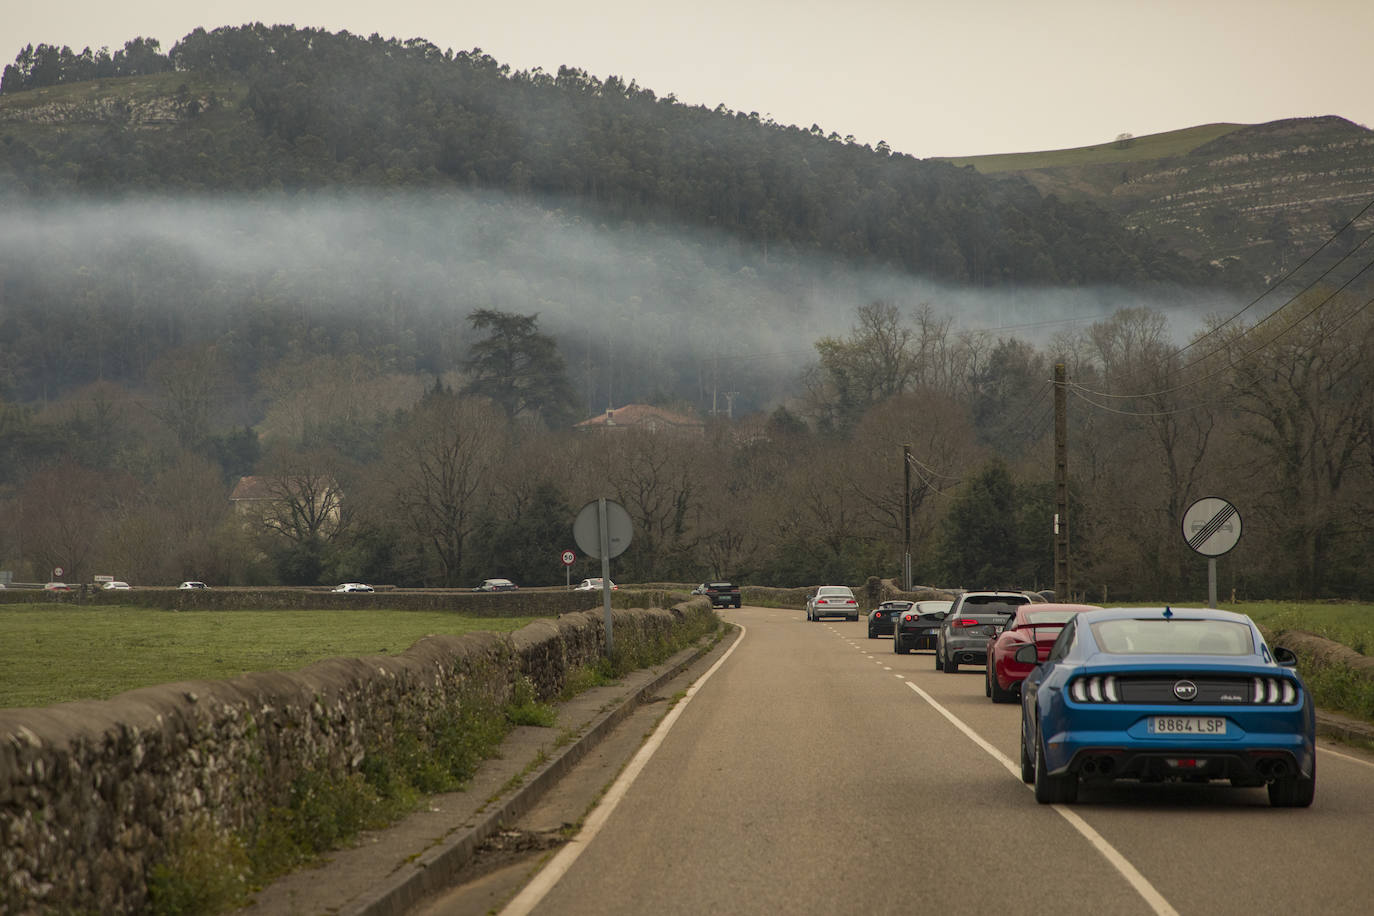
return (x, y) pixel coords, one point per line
(442, 466)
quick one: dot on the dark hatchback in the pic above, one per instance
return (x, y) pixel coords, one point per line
(882, 617)
(965, 630)
(917, 627)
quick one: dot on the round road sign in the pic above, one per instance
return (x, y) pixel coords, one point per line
(569, 557)
(1211, 526)
(587, 529)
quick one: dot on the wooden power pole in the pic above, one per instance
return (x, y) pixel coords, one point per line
(1062, 583)
(906, 518)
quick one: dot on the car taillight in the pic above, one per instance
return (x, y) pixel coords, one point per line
(1095, 689)
(1274, 690)
(967, 622)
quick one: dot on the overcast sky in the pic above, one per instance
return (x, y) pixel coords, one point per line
(931, 77)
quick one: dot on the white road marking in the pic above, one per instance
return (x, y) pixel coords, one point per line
(539, 887)
(1153, 898)
(1362, 762)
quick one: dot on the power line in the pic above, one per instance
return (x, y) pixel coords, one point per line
(1248, 353)
(1286, 277)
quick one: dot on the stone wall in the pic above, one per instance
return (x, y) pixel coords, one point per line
(534, 602)
(91, 792)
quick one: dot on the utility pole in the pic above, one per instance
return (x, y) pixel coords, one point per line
(906, 518)
(1061, 486)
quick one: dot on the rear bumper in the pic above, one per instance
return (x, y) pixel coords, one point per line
(1192, 762)
(1253, 752)
(913, 639)
(967, 650)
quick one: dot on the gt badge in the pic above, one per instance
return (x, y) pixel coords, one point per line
(1185, 690)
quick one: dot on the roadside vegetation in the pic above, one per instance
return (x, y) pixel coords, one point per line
(1335, 687)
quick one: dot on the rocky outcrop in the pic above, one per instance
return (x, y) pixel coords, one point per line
(1254, 201)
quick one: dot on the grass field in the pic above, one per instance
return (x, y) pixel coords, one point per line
(1152, 147)
(55, 654)
(1349, 624)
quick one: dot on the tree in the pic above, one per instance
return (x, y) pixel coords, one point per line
(979, 544)
(518, 368)
(64, 514)
(441, 466)
(874, 363)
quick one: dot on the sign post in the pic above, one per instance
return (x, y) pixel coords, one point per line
(1211, 526)
(568, 558)
(603, 529)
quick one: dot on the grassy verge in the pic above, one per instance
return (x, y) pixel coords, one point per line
(56, 654)
(1348, 624)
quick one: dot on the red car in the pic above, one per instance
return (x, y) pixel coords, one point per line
(1033, 623)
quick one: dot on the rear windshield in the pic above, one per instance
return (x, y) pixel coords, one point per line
(720, 585)
(1173, 637)
(836, 590)
(1047, 618)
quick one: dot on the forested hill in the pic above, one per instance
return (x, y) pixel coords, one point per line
(279, 108)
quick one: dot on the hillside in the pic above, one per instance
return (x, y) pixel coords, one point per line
(257, 108)
(1252, 199)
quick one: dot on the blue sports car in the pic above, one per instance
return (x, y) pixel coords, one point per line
(1166, 694)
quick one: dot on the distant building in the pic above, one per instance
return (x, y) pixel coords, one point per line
(645, 417)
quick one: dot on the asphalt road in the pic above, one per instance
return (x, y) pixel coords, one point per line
(816, 772)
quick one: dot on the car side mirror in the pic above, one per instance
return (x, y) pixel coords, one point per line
(1285, 657)
(1027, 655)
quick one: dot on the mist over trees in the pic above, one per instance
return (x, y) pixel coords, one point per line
(386, 279)
(281, 108)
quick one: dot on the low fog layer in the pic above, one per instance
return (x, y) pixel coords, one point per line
(639, 311)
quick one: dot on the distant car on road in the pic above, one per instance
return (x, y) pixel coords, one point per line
(917, 627)
(114, 585)
(496, 585)
(882, 617)
(592, 585)
(193, 584)
(353, 587)
(832, 601)
(1160, 694)
(1034, 624)
(723, 594)
(56, 587)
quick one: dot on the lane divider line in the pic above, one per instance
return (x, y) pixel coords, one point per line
(558, 866)
(1153, 898)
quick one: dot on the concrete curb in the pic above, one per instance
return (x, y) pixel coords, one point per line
(434, 870)
(1344, 728)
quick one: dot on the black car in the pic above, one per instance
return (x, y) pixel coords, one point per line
(916, 628)
(881, 617)
(723, 594)
(975, 617)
